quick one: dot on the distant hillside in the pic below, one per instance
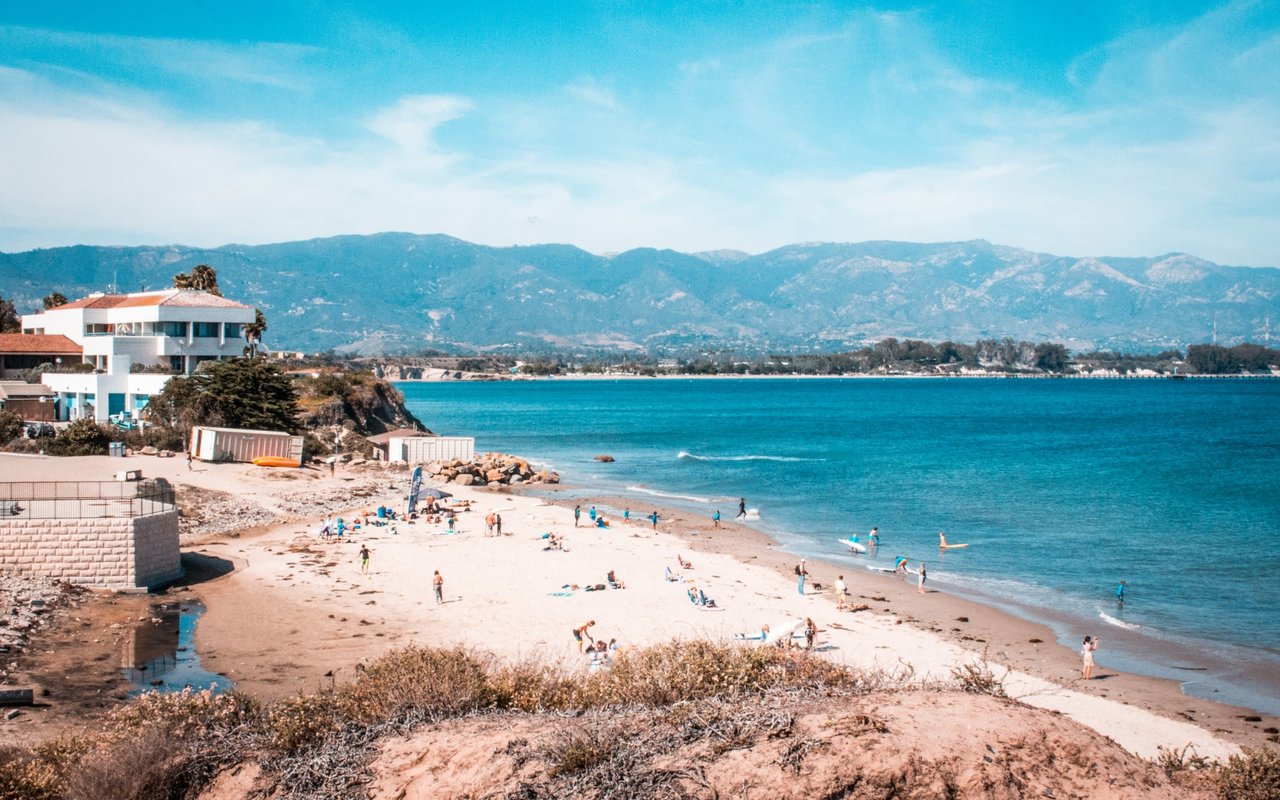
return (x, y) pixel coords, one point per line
(397, 292)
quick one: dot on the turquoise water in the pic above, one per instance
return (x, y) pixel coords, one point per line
(1061, 488)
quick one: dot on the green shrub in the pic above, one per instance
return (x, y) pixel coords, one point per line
(420, 683)
(299, 722)
(84, 437)
(1253, 775)
(11, 426)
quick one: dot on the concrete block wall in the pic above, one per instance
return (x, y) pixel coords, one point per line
(108, 553)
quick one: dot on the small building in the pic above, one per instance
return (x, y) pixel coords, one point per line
(425, 449)
(382, 442)
(34, 401)
(237, 444)
(22, 352)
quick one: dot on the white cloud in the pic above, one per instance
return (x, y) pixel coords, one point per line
(1129, 167)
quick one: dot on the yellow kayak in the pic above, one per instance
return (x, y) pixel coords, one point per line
(276, 461)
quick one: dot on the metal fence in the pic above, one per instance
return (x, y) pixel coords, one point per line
(85, 499)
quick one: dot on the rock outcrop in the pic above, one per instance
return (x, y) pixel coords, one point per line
(490, 468)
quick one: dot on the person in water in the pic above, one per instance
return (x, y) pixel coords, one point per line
(873, 538)
(742, 508)
(942, 538)
(1120, 591)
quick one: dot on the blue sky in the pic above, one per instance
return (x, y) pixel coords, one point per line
(1088, 128)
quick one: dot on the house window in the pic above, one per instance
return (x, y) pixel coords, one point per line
(175, 364)
(175, 329)
(232, 330)
(204, 330)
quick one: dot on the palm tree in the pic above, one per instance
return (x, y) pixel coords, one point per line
(253, 332)
(202, 277)
(54, 300)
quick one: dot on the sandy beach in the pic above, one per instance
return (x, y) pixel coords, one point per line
(295, 612)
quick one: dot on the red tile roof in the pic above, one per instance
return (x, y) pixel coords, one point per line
(187, 298)
(26, 343)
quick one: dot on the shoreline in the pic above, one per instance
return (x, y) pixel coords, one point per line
(508, 596)
(1014, 641)
(488, 377)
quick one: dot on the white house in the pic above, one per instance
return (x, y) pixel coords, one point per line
(171, 330)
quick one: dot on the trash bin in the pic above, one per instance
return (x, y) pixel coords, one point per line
(116, 449)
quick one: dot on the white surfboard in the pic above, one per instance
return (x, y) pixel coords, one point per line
(856, 547)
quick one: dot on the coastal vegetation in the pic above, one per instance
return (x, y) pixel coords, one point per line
(889, 356)
(648, 727)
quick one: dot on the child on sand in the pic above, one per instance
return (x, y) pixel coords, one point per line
(810, 633)
(364, 559)
(924, 576)
(842, 593)
(1086, 657)
(437, 582)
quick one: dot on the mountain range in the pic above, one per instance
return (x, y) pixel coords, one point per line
(402, 293)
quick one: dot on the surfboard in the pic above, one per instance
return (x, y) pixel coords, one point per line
(276, 461)
(881, 569)
(856, 547)
(952, 546)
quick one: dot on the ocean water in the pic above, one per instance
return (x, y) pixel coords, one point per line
(1062, 488)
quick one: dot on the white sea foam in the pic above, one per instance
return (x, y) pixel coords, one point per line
(1119, 623)
(668, 495)
(687, 456)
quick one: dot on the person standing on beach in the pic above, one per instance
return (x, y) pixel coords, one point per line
(488, 524)
(577, 514)
(842, 593)
(437, 583)
(654, 519)
(924, 576)
(742, 508)
(1086, 657)
(810, 633)
(188, 462)
(626, 516)
(715, 519)
(801, 574)
(497, 524)
(364, 559)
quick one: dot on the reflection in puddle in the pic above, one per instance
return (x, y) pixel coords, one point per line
(160, 652)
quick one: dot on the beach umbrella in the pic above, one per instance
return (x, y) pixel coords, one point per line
(438, 494)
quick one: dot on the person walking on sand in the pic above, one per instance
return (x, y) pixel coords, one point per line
(437, 583)
(188, 462)
(924, 576)
(364, 559)
(497, 524)
(801, 574)
(626, 516)
(577, 514)
(715, 519)
(742, 508)
(582, 632)
(842, 593)
(1086, 657)
(810, 633)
